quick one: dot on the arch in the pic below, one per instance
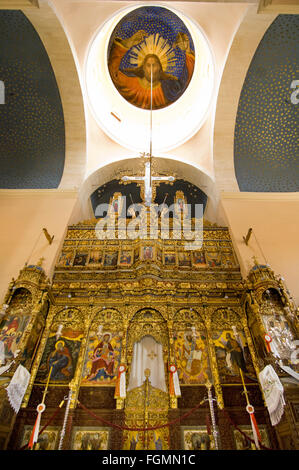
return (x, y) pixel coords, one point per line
(106, 315)
(188, 315)
(225, 317)
(243, 47)
(58, 46)
(268, 290)
(147, 313)
(185, 171)
(147, 322)
(265, 160)
(22, 292)
(69, 317)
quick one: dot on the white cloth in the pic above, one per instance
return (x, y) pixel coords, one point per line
(122, 381)
(147, 354)
(176, 384)
(273, 393)
(17, 387)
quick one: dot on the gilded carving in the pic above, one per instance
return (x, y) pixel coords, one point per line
(107, 295)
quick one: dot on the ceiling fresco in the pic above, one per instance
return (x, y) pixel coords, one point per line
(120, 57)
(266, 151)
(151, 39)
(32, 133)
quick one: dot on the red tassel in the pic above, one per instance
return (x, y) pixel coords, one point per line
(256, 427)
(268, 340)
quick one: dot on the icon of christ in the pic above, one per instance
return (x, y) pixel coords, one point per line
(152, 58)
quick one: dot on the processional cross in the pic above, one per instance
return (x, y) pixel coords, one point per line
(148, 179)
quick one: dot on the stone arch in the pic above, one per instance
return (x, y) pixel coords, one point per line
(243, 47)
(58, 47)
(110, 172)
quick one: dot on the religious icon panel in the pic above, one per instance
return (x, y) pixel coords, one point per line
(14, 324)
(282, 342)
(228, 260)
(110, 258)
(213, 259)
(197, 438)
(169, 259)
(199, 259)
(191, 355)
(66, 258)
(125, 258)
(12, 330)
(102, 357)
(150, 440)
(95, 257)
(90, 438)
(184, 259)
(60, 356)
(47, 440)
(241, 438)
(34, 337)
(233, 356)
(148, 253)
(80, 259)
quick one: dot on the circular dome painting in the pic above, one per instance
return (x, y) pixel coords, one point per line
(142, 48)
(151, 49)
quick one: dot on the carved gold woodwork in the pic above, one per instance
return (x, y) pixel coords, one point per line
(214, 367)
(147, 322)
(147, 297)
(27, 297)
(147, 406)
(258, 305)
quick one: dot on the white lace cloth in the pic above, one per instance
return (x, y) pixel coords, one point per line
(273, 393)
(17, 387)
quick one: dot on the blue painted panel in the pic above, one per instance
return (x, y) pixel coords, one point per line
(266, 146)
(32, 133)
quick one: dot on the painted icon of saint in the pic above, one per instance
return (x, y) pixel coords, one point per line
(102, 360)
(61, 362)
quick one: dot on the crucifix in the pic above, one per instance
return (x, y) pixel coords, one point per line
(148, 179)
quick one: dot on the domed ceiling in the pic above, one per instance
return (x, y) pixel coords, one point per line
(32, 134)
(266, 150)
(151, 39)
(121, 56)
